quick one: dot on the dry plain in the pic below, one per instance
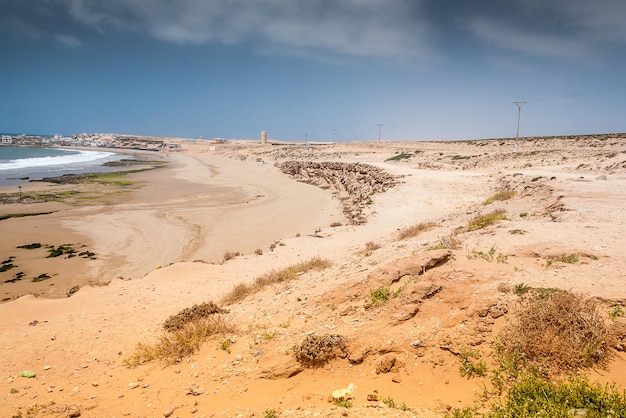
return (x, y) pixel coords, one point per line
(160, 245)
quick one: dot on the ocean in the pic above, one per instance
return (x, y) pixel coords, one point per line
(21, 164)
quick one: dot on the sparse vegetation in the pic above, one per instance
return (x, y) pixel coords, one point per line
(517, 232)
(616, 311)
(370, 247)
(470, 368)
(243, 290)
(270, 413)
(335, 224)
(500, 196)
(379, 296)
(563, 258)
(415, 230)
(316, 350)
(178, 321)
(393, 405)
(173, 346)
(555, 332)
(21, 215)
(399, 157)
(32, 246)
(488, 219)
(450, 242)
(258, 251)
(41, 277)
(229, 255)
(489, 255)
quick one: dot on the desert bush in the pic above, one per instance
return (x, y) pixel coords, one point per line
(555, 332)
(176, 322)
(174, 346)
(563, 258)
(243, 290)
(370, 247)
(470, 368)
(533, 396)
(379, 296)
(316, 350)
(488, 219)
(229, 255)
(499, 196)
(415, 230)
(449, 242)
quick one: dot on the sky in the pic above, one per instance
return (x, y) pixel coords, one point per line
(317, 70)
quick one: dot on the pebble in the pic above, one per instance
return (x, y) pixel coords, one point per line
(46, 367)
(133, 385)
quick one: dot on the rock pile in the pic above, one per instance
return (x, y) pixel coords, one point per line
(353, 183)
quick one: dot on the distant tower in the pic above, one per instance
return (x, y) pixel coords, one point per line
(263, 137)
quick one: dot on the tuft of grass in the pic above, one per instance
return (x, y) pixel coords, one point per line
(229, 255)
(500, 196)
(415, 230)
(393, 405)
(270, 413)
(616, 311)
(172, 347)
(470, 368)
(488, 219)
(521, 289)
(317, 350)
(379, 296)
(450, 242)
(243, 290)
(563, 258)
(370, 247)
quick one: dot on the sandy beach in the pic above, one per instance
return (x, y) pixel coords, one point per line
(159, 246)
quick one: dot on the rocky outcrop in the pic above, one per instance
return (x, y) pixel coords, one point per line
(353, 183)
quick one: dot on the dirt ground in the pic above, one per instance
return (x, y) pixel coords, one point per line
(569, 199)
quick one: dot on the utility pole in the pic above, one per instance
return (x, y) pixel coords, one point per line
(380, 125)
(519, 115)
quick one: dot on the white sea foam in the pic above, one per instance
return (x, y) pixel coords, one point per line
(76, 158)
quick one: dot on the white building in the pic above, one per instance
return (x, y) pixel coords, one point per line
(7, 139)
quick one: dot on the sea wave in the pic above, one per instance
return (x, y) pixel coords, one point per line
(75, 158)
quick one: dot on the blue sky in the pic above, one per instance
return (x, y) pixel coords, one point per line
(424, 69)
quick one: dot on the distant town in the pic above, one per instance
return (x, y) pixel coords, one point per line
(91, 140)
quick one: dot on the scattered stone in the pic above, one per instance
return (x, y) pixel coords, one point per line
(170, 411)
(28, 374)
(386, 364)
(396, 379)
(133, 385)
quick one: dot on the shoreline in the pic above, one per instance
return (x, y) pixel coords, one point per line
(195, 209)
(559, 206)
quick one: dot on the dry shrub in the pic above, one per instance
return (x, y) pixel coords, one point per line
(173, 346)
(176, 322)
(483, 221)
(316, 350)
(243, 290)
(229, 255)
(449, 242)
(558, 332)
(415, 230)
